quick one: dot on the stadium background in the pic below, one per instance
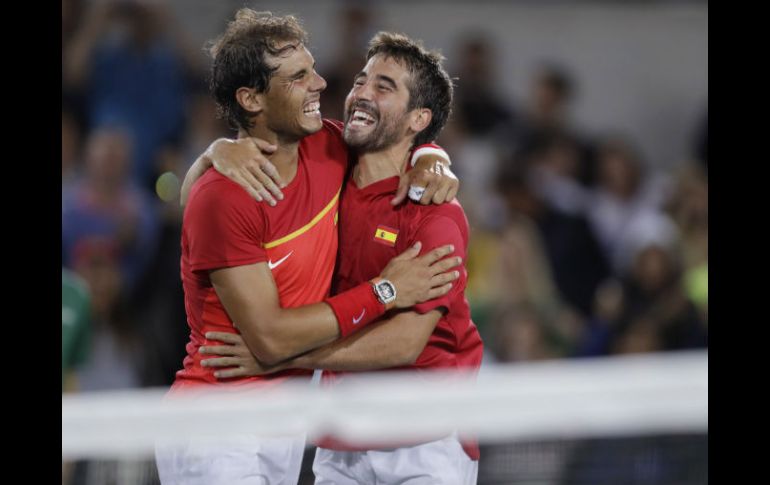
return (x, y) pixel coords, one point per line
(579, 134)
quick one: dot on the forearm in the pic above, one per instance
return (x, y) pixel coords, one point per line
(274, 333)
(395, 342)
(290, 332)
(287, 332)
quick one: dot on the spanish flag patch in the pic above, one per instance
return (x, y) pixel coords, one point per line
(386, 235)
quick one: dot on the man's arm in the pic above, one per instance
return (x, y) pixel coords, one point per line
(244, 162)
(393, 342)
(273, 334)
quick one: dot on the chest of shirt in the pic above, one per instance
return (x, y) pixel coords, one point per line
(372, 232)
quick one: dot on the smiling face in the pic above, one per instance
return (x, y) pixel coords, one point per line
(291, 105)
(376, 115)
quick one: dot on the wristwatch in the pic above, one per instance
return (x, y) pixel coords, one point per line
(385, 291)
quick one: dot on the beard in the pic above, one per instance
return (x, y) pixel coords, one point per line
(387, 130)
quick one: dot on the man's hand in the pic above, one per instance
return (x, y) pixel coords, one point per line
(243, 161)
(235, 355)
(432, 174)
(419, 279)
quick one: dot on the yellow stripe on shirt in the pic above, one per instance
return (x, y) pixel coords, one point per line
(307, 226)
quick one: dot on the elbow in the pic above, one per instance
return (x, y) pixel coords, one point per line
(266, 340)
(268, 351)
(266, 348)
(272, 346)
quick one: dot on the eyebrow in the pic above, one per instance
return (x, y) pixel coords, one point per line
(387, 80)
(381, 77)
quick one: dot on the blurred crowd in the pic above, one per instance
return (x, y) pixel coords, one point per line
(578, 247)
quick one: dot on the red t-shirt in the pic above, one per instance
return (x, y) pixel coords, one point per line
(224, 227)
(372, 233)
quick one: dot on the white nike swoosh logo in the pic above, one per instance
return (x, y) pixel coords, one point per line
(273, 265)
(356, 320)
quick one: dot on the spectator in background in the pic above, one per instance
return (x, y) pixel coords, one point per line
(548, 114)
(656, 311)
(75, 339)
(71, 25)
(481, 110)
(520, 334)
(600, 327)
(688, 206)
(516, 275)
(103, 205)
(479, 132)
(129, 65)
(71, 13)
(70, 148)
(356, 27)
(204, 125)
(553, 165)
(115, 360)
(116, 357)
(75, 327)
(623, 194)
(575, 257)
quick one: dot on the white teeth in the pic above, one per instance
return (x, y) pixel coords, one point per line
(313, 108)
(362, 116)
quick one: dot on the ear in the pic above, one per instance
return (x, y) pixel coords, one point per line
(420, 119)
(249, 100)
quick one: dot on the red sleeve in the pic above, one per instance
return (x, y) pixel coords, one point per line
(434, 232)
(223, 226)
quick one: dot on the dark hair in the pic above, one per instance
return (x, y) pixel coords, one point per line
(429, 86)
(241, 58)
(558, 80)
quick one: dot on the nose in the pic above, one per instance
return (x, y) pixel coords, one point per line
(319, 82)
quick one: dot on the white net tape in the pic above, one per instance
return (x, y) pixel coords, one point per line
(640, 395)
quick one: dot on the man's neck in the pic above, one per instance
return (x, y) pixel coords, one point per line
(285, 156)
(375, 166)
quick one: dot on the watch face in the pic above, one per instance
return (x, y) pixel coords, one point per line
(386, 290)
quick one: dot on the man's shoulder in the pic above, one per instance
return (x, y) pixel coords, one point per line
(214, 190)
(213, 183)
(432, 220)
(452, 210)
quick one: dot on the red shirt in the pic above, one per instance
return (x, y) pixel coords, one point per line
(224, 227)
(372, 233)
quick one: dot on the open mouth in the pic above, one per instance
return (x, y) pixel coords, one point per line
(361, 118)
(312, 109)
